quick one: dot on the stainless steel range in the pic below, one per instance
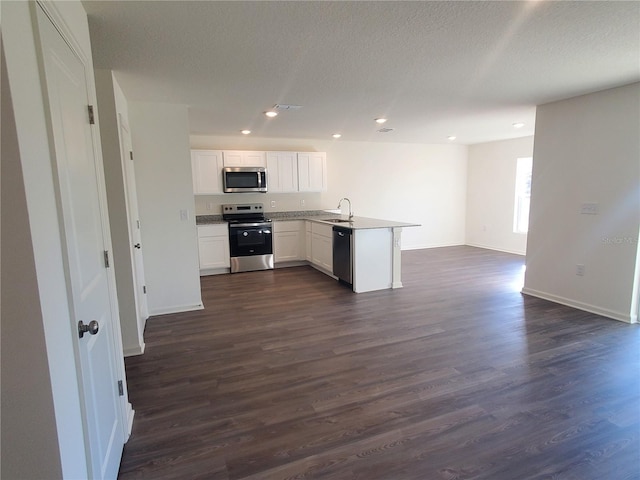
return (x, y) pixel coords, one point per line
(250, 237)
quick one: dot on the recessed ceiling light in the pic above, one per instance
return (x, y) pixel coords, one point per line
(518, 125)
(245, 132)
(271, 114)
(451, 137)
(380, 120)
(336, 135)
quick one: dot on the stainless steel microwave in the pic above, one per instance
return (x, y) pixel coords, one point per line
(244, 179)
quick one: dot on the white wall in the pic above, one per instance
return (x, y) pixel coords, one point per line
(587, 149)
(415, 183)
(162, 162)
(491, 180)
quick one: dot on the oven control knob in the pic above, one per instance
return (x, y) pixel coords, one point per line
(245, 234)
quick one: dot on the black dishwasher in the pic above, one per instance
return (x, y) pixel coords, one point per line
(342, 262)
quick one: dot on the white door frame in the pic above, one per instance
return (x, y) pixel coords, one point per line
(133, 219)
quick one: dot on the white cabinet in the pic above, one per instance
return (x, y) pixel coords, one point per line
(239, 158)
(312, 172)
(288, 240)
(322, 246)
(213, 248)
(287, 172)
(307, 241)
(206, 171)
(282, 172)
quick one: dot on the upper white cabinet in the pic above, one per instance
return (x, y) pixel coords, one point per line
(312, 172)
(239, 158)
(287, 172)
(206, 168)
(282, 172)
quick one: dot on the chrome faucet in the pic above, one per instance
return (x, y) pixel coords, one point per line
(340, 204)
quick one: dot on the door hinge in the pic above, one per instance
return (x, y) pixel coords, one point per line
(92, 119)
(138, 224)
(130, 155)
(144, 289)
(120, 388)
(106, 259)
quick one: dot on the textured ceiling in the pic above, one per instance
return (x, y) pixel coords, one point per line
(469, 69)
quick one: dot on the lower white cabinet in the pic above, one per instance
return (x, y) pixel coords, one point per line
(213, 249)
(307, 241)
(288, 240)
(322, 246)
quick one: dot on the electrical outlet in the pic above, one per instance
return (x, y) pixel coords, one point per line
(580, 270)
(273, 204)
(209, 205)
(302, 202)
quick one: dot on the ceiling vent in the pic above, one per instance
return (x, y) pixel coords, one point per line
(284, 106)
(385, 130)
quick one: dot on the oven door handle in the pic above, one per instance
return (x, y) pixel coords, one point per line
(245, 225)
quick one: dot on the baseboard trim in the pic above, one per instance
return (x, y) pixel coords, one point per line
(133, 351)
(176, 309)
(291, 263)
(487, 247)
(130, 415)
(424, 247)
(579, 305)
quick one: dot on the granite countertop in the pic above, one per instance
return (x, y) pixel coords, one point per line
(360, 223)
(319, 216)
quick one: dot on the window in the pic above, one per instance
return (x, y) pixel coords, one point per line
(523, 195)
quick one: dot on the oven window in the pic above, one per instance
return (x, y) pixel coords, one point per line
(250, 238)
(244, 241)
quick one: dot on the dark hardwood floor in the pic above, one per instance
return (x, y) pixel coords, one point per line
(287, 374)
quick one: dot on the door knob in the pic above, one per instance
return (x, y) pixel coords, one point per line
(92, 328)
(137, 245)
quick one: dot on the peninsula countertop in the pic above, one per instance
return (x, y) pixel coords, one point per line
(359, 223)
(319, 216)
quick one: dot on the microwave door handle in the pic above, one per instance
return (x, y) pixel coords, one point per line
(259, 180)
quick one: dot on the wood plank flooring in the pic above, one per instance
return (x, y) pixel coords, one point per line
(287, 374)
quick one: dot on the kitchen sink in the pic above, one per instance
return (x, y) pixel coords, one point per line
(336, 220)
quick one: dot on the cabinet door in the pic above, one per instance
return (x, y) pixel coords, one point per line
(206, 171)
(214, 252)
(240, 158)
(282, 172)
(312, 172)
(327, 253)
(286, 246)
(322, 251)
(307, 241)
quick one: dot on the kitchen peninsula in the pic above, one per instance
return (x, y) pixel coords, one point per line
(306, 237)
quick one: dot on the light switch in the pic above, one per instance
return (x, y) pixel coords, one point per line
(184, 215)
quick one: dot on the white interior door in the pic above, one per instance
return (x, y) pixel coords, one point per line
(126, 151)
(81, 197)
